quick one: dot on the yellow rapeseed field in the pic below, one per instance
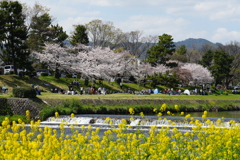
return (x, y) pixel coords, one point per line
(214, 142)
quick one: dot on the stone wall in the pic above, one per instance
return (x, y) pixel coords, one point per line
(20, 105)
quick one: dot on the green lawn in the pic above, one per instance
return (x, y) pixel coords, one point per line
(46, 95)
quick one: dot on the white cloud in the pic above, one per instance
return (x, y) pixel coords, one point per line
(181, 19)
(225, 36)
(155, 25)
(68, 23)
(92, 13)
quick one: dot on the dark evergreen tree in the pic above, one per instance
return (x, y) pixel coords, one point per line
(161, 52)
(13, 35)
(40, 32)
(207, 59)
(221, 67)
(58, 35)
(79, 35)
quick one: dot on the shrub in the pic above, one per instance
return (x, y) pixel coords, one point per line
(44, 74)
(225, 93)
(11, 72)
(24, 92)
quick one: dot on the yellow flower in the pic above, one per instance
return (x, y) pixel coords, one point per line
(159, 114)
(28, 116)
(155, 110)
(163, 107)
(131, 111)
(176, 107)
(205, 113)
(141, 114)
(187, 116)
(56, 114)
(182, 113)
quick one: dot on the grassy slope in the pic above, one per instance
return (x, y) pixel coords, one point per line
(46, 83)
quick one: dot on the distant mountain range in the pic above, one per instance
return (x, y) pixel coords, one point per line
(189, 43)
(197, 43)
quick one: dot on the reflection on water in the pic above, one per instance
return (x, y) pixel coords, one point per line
(225, 114)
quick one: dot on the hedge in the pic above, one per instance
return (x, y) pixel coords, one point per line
(24, 92)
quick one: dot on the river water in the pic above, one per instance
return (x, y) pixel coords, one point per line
(225, 114)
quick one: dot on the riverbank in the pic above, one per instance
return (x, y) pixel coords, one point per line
(43, 108)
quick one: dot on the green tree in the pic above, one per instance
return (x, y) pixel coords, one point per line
(207, 59)
(221, 67)
(161, 52)
(58, 35)
(182, 50)
(40, 32)
(166, 79)
(79, 35)
(13, 35)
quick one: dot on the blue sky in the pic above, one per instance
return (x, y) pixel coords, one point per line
(214, 20)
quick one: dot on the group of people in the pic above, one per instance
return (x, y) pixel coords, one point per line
(94, 90)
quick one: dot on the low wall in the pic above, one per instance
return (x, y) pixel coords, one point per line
(20, 105)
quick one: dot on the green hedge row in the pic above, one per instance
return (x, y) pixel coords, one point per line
(24, 92)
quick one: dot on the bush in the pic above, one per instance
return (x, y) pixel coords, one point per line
(44, 74)
(24, 92)
(11, 72)
(225, 93)
(67, 107)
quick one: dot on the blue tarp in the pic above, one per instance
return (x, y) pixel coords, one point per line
(156, 91)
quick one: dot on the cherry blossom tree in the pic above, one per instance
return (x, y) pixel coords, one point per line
(199, 73)
(146, 69)
(91, 62)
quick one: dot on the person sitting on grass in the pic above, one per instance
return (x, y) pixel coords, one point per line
(4, 89)
(38, 91)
